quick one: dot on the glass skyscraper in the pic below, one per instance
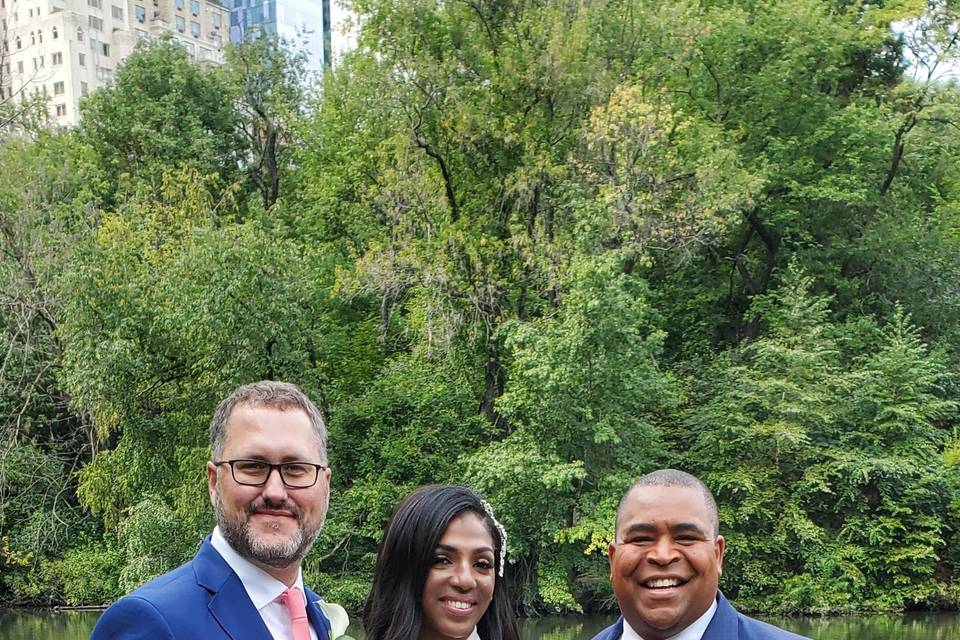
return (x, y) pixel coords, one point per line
(304, 22)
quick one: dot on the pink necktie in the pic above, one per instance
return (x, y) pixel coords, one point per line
(292, 598)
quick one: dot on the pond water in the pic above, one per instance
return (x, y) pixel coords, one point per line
(32, 624)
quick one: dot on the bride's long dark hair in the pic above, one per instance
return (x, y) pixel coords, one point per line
(393, 610)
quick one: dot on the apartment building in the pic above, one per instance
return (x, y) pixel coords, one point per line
(323, 29)
(64, 49)
(304, 22)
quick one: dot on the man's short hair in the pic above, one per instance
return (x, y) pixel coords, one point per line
(270, 394)
(673, 478)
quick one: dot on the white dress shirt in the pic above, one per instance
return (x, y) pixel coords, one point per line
(264, 590)
(694, 632)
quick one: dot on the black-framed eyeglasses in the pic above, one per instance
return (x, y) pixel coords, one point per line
(253, 473)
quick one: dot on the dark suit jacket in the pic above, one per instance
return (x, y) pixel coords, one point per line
(200, 600)
(727, 624)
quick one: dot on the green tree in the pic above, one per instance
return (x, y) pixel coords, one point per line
(584, 399)
(889, 490)
(170, 310)
(162, 113)
(43, 183)
(768, 408)
(269, 80)
(825, 460)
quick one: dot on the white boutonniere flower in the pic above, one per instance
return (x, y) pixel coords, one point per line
(338, 618)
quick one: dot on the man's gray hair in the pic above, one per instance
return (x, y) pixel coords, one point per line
(271, 394)
(674, 478)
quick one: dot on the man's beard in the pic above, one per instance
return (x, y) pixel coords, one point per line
(279, 554)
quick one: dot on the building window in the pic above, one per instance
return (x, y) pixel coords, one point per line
(83, 88)
(61, 109)
(58, 88)
(95, 3)
(33, 38)
(140, 12)
(181, 24)
(82, 60)
(17, 42)
(56, 33)
(116, 12)
(189, 48)
(195, 29)
(195, 7)
(179, 4)
(95, 23)
(79, 35)
(56, 58)
(20, 67)
(216, 21)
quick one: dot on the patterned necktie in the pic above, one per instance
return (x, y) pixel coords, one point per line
(292, 598)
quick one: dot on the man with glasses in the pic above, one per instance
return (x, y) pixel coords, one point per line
(269, 485)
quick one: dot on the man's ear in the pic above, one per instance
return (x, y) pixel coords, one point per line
(212, 481)
(719, 546)
(611, 552)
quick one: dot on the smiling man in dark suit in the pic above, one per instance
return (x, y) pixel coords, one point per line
(665, 564)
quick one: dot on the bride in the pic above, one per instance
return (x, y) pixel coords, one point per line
(439, 571)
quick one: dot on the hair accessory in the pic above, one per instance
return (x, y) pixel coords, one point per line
(503, 534)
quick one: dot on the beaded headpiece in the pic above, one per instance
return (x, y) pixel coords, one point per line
(503, 535)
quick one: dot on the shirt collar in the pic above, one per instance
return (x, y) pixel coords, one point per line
(259, 585)
(693, 632)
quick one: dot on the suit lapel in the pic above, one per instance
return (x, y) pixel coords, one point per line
(613, 632)
(229, 603)
(318, 621)
(725, 624)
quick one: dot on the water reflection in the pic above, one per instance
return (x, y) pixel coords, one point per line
(917, 626)
(911, 626)
(36, 624)
(76, 625)
(563, 628)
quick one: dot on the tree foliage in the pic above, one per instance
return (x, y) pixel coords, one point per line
(161, 113)
(536, 247)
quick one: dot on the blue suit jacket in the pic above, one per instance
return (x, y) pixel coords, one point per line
(727, 624)
(200, 600)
